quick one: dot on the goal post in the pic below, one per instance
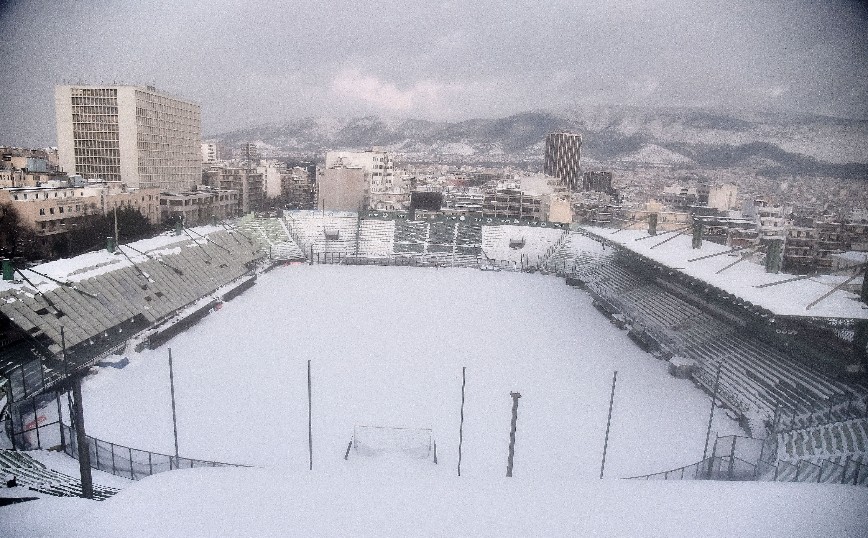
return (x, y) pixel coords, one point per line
(417, 443)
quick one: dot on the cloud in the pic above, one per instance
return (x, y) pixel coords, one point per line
(386, 96)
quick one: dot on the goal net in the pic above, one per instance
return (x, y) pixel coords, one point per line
(381, 440)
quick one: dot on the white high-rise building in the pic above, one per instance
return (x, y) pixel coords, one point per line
(377, 165)
(133, 134)
(209, 152)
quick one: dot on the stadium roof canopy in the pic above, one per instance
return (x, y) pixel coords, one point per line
(741, 280)
(45, 276)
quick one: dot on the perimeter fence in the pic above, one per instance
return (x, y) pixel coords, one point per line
(736, 457)
(129, 462)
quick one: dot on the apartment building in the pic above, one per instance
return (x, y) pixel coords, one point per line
(135, 135)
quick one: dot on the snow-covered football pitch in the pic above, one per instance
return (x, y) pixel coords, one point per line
(387, 346)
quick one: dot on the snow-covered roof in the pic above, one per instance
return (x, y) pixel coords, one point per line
(742, 280)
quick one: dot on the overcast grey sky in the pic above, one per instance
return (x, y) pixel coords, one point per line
(255, 61)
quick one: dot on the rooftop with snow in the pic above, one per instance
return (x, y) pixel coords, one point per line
(743, 280)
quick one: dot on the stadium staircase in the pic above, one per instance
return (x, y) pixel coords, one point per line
(272, 235)
(324, 235)
(499, 240)
(35, 476)
(376, 238)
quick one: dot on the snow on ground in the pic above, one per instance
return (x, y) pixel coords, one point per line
(262, 503)
(386, 346)
(60, 462)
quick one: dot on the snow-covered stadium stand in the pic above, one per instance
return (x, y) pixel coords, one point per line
(36, 476)
(272, 235)
(524, 246)
(324, 233)
(673, 304)
(94, 303)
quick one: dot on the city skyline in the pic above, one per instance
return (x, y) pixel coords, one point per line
(250, 63)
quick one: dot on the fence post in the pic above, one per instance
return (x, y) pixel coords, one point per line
(732, 456)
(60, 421)
(150, 464)
(174, 417)
(461, 426)
(36, 422)
(132, 472)
(309, 418)
(798, 468)
(608, 423)
(114, 469)
(515, 397)
(711, 413)
(711, 459)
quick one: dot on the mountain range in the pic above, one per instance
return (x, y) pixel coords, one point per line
(774, 144)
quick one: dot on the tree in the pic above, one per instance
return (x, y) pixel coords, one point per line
(10, 225)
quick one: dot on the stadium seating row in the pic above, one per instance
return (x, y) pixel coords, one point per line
(272, 236)
(128, 294)
(34, 475)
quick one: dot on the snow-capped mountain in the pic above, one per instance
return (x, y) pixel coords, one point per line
(780, 143)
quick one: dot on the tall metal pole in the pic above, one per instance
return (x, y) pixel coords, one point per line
(515, 397)
(711, 413)
(174, 415)
(309, 418)
(81, 441)
(63, 348)
(461, 427)
(608, 424)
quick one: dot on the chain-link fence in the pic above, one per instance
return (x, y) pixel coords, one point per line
(130, 462)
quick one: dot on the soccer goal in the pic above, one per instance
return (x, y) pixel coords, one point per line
(415, 443)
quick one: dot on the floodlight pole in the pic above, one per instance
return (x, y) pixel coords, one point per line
(174, 415)
(515, 397)
(608, 424)
(81, 439)
(461, 427)
(309, 418)
(711, 413)
(80, 433)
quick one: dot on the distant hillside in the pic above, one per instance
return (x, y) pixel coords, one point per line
(775, 144)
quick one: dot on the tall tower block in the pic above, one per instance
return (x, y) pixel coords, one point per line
(563, 151)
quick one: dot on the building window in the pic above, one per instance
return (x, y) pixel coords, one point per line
(51, 210)
(41, 210)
